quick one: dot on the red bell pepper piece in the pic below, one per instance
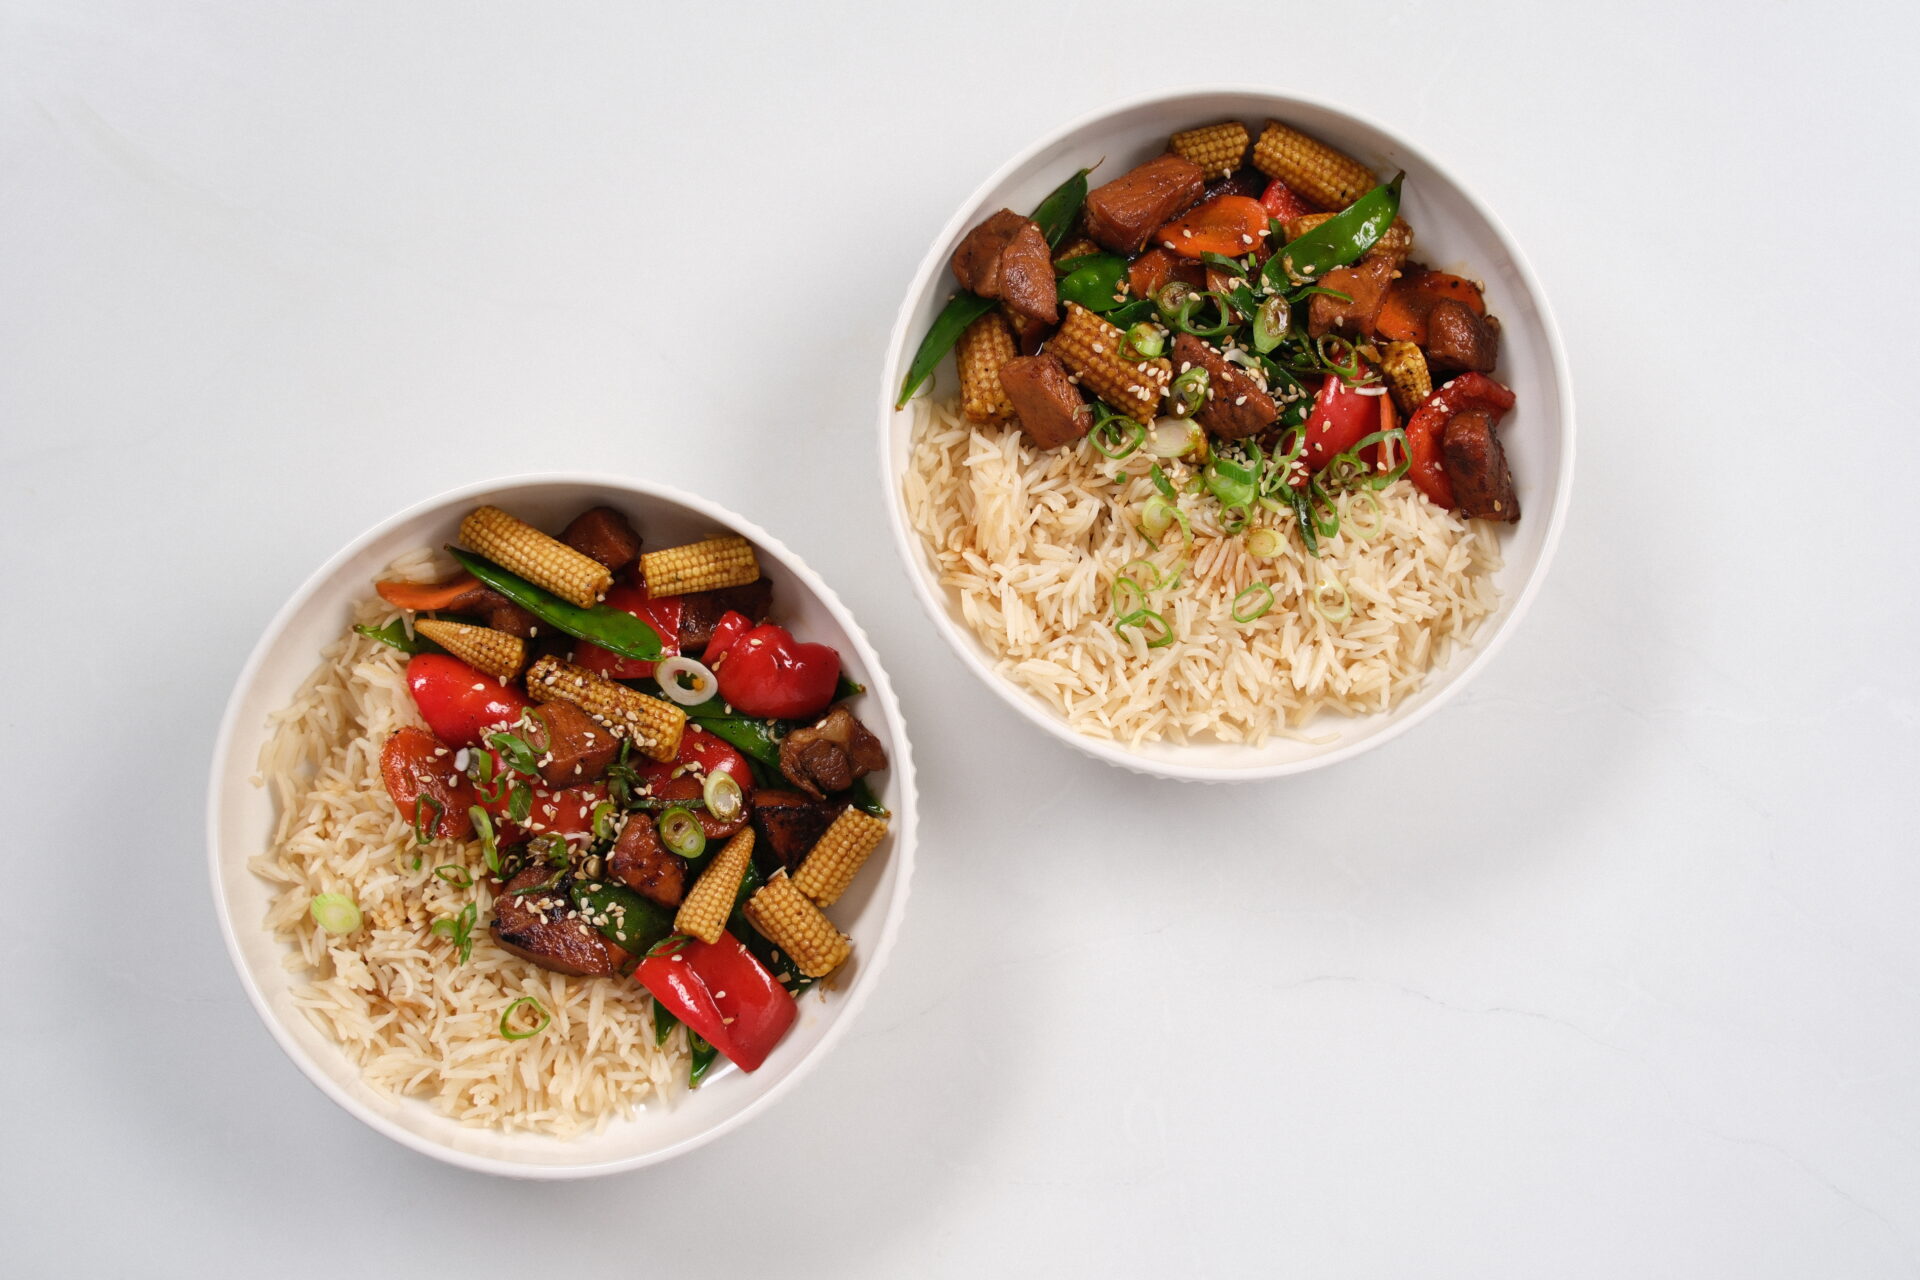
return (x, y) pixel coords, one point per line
(1281, 202)
(459, 703)
(723, 995)
(766, 672)
(663, 615)
(1429, 422)
(1340, 416)
(417, 773)
(700, 754)
(729, 629)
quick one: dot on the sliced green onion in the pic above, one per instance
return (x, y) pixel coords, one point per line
(1232, 266)
(1157, 516)
(1189, 391)
(680, 831)
(1146, 620)
(459, 930)
(1143, 571)
(1264, 543)
(551, 846)
(1128, 597)
(1370, 529)
(489, 846)
(520, 803)
(1160, 482)
(1234, 519)
(1271, 323)
(334, 912)
(725, 799)
(1116, 435)
(1144, 341)
(1170, 297)
(1192, 305)
(454, 874)
(425, 831)
(1330, 600)
(602, 821)
(1350, 368)
(685, 681)
(519, 753)
(506, 1019)
(1252, 603)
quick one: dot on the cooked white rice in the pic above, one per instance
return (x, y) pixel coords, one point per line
(1030, 542)
(393, 994)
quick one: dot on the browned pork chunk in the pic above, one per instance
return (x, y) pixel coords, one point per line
(830, 755)
(1121, 214)
(1007, 257)
(1236, 407)
(644, 865)
(701, 611)
(605, 535)
(789, 824)
(1460, 341)
(574, 748)
(543, 927)
(1477, 467)
(1365, 283)
(1050, 408)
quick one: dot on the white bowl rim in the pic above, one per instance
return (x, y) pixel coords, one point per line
(962, 644)
(902, 854)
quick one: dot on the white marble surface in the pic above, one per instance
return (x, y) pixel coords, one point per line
(1612, 970)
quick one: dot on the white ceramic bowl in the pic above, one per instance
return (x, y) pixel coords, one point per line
(1453, 230)
(239, 818)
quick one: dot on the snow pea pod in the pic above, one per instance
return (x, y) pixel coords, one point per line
(612, 629)
(622, 916)
(1343, 238)
(1096, 282)
(395, 634)
(1055, 214)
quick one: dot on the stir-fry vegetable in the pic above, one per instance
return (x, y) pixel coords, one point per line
(611, 629)
(1341, 239)
(335, 912)
(720, 993)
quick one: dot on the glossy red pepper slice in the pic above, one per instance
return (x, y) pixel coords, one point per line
(417, 769)
(700, 754)
(459, 703)
(722, 993)
(663, 615)
(1281, 202)
(1428, 424)
(766, 672)
(729, 629)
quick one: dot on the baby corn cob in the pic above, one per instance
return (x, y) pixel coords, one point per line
(652, 725)
(1407, 376)
(1217, 148)
(1091, 348)
(833, 862)
(495, 652)
(704, 911)
(726, 561)
(1327, 177)
(983, 348)
(1394, 246)
(515, 545)
(792, 923)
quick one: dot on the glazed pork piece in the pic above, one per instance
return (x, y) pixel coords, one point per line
(644, 865)
(701, 611)
(831, 755)
(789, 823)
(1460, 340)
(1365, 283)
(1236, 407)
(1477, 467)
(543, 927)
(1123, 213)
(574, 747)
(1044, 398)
(1007, 257)
(604, 535)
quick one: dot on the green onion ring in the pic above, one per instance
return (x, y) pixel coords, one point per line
(723, 795)
(1169, 298)
(520, 802)
(1271, 323)
(1264, 543)
(335, 912)
(1259, 591)
(1183, 319)
(1189, 391)
(1142, 571)
(1140, 618)
(424, 832)
(1160, 482)
(506, 1017)
(1126, 436)
(489, 845)
(681, 832)
(601, 824)
(1144, 341)
(1348, 371)
(1119, 593)
(1334, 614)
(1234, 519)
(1365, 532)
(454, 874)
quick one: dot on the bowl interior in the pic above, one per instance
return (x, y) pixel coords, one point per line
(241, 816)
(1453, 232)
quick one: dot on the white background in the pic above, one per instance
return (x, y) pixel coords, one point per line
(1612, 969)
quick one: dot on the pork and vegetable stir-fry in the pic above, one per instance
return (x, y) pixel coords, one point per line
(1252, 311)
(661, 782)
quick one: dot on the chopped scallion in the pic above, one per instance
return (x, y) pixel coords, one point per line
(506, 1019)
(1252, 603)
(335, 912)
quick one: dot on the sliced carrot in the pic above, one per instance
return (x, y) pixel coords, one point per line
(1146, 273)
(1231, 225)
(1403, 317)
(426, 597)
